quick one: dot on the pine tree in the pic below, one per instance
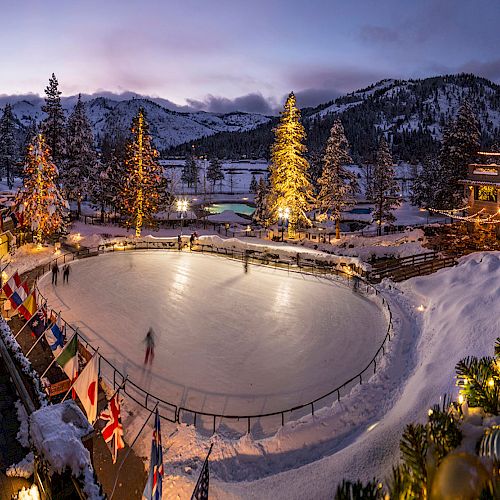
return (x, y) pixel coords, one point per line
(290, 188)
(42, 206)
(461, 141)
(8, 147)
(190, 172)
(384, 187)
(338, 186)
(80, 155)
(214, 172)
(425, 184)
(253, 184)
(144, 187)
(260, 215)
(53, 125)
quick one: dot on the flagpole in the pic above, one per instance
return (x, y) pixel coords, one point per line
(26, 324)
(55, 357)
(73, 383)
(129, 448)
(202, 469)
(37, 340)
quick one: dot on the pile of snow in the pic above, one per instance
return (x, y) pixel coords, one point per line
(24, 468)
(56, 433)
(30, 493)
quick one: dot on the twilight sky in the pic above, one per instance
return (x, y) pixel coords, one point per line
(222, 55)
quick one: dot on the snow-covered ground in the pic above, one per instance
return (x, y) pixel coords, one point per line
(226, 341)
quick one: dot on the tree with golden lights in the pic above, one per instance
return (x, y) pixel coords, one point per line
(144, 188)
(42, 206)
(290, 189)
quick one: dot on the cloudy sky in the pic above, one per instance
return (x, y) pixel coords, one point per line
(222, 55)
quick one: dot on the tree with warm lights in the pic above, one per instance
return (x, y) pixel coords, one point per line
(337, 185)
(53, 124)
(144, 187)
(384, 186)
(290, 188)
(42, 206)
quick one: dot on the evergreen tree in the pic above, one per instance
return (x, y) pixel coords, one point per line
(425, 184)
(54, 123)
(80, 155)
(190, 171)
(384, 187)
(143, 189)
(337, 185)
(260, 215)
(42, 206)
(461, 141)
(8, 148)
(253, 185)
(214, 171)
(290, 187)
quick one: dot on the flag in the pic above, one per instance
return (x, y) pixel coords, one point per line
(28, 307)
(13, 283)
(39, 321)
(153, 488)
(19, 295)
(201, 489)
(68, 358)
(113, 430)
(86, 386)
(54, 335)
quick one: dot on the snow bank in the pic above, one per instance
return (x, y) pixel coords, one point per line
(56, 433)
(24, 468)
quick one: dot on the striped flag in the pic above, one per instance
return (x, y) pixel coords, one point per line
(54, 335)
(201, 489)
(153, 488)
(13, 282)
(28, 307)
(19, 295)
(113, 430)
(68, 358)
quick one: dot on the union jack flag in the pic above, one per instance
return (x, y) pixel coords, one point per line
(113, 430)
(201, 489)
(153, 488)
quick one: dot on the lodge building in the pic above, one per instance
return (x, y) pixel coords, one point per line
(482, 186)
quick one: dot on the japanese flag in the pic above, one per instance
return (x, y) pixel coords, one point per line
(86, 387)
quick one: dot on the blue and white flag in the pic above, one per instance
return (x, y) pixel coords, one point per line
(55, 335)
(153, 488)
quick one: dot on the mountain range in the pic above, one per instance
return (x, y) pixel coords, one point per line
(411, 113)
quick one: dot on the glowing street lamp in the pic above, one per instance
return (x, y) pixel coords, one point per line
(182, 206)
(283, 216)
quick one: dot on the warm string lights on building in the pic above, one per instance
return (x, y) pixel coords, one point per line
(477, 217)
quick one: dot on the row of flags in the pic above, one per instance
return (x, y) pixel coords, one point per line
(85, 385)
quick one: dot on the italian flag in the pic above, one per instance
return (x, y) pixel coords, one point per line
(68, 358)
(86, 387)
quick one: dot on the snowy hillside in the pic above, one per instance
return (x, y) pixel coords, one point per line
(168, 128)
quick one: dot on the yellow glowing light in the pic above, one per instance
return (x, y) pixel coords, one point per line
(430, 412)
(420, 308)
(491, 382)
(461, 399)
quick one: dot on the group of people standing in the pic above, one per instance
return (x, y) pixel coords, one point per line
(55, 272)
(192, 240)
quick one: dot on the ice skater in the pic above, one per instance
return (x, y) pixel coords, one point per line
(150, 346)
(179, 242)
(245, 262)
(191, 241)
(55, 272)
(66, 273)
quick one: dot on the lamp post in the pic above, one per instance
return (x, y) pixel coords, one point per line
(182, 206)
(283, 216)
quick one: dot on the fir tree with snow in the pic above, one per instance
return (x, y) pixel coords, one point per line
(190, 172)
(425, 184)
(80, 155)
(8, 146)
(337, 186)
(290, 188)
(384, 186)
(260, 215)
(42, 206)
(461, 141)
(53, 125)
(214, 171)
(253, 185)
(143, 187)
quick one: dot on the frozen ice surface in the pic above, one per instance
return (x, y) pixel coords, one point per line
(226, 341)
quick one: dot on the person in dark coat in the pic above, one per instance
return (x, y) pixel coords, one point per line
(179, 242)
(150, 346)
(55, 272)
(191, 241)
(66, 273)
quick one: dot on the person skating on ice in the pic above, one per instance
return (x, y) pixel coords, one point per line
(55, 272)
(149, 340)
(66, 273)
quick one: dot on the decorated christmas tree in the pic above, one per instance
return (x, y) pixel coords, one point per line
(338, 186)
(290, 188)
(41, 204)
(144, 187)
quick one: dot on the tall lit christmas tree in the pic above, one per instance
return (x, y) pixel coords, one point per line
(40, 202)
(144, 187)
(290, 188)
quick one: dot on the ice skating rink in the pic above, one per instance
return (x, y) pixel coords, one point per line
(226, 341)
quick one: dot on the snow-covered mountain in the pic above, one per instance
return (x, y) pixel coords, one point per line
(168, 128)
